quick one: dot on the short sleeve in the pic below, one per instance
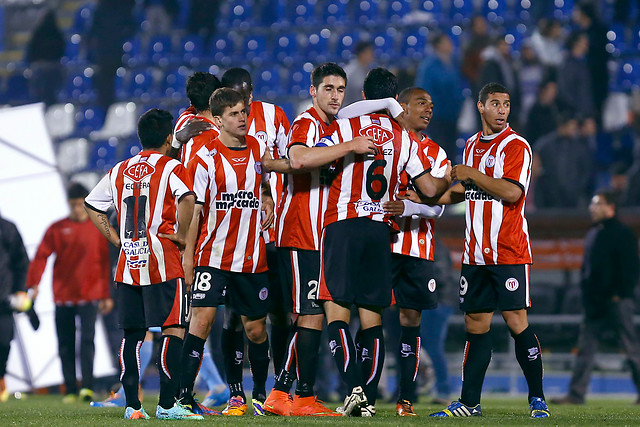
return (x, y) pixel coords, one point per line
(332, 134)
(179, 181)
(517, 163)
(418, 164)
(437, 158)
(303, 132)
(199, 174)
(100, 199)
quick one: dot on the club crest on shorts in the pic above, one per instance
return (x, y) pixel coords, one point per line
(491, 161)
(512, 284)
(263, 294)
(432, 285)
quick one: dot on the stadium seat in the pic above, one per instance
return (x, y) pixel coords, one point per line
(617, 41)
(121, 121)
(289, 110)
(286, 47)
(434, 7)
(133, 54)
(367, 12)
(346, 44)
(299, 13)
(384, 43)
(72, 50)
(17, 89)
(79, 85)
(300, 79)
(460, 10)
(142, 84)
(129, 147)
(398, 9)
(89, 119)
(103, 154)
(241, 14)
(73, 155)
(495, 11)
(191, 49)
(267, 83)
(159, 50)
(316, 45)
(413, 43)
(223, 49)
(175, 82)
(254, 47)
(82, 18)
(563, 9)
(334, 11)
(60, 120)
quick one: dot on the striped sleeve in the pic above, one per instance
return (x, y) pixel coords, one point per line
(200, 178)
(517, 162)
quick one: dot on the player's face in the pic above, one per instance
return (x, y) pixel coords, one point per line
(495, 112)
(234, 120)
(77, 210)
(329, 95)
(418, 111)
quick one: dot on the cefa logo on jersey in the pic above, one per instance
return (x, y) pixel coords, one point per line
(379, 135)
(139, 171)
(511, 284)
(261, 136)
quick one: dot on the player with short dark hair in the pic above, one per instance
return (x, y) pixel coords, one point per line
(493, 181)
(229, 254)
(356, 255)
(149, 275)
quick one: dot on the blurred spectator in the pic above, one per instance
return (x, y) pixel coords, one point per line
(160, 15)
(548, 42)
(544, 113)
(574, 78)
(203, 16)
(472, 48)
(13, 271)
(81, 279)
(44, 51)
(113, 24)
(566, 160)
(499, 67)
(531, 72)
(609, 276)
(586, 16)
(439, 74)
(357, 70)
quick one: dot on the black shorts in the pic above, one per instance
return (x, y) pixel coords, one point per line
(160, 304)
(356, 263)
(300, 272)
(414, 282)
(276, 281)
(244, 293)
(486, 288)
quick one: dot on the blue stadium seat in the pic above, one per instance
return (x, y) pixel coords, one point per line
(175, 82)
(346, 44)
(17, 89)
(385, 45)
(223, 50)
(515, 36)
(133, 54)
(103, 154)
(241, 14)
(316, 45)
(142, 84)
(334, 11)
(616, 36)
(72, 50)
(286, 47)
(495, 11)
(433, 7)
(129, 147)
(413, 43)
(82, 18)
(191, 49)
(398, 9)
(267, 83)
(300, 79)
(367, 12)
(79, 86)
(460, 10)
(159, 50)
(254, 46)
(563, 9)
(300, 12)
(289, 110)
(89, 119)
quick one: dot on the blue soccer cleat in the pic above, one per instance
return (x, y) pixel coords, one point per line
(213, 399)
(116, 400)
(459, 409)
(177, 412)
(539, 408)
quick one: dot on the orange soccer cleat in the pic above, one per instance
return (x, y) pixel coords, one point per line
(310, 407)
(278, 403)
(404, 408)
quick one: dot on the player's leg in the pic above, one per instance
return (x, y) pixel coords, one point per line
(409, 360)
(66, 331)
(6, 335)
(217, 388)
(624, 310)
(256, 330)
(372, 352)
(279, 317)
(88, 313)
(233, 353)
(585, 360)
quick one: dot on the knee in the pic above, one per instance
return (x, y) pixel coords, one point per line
(256, 332)
(410, 318)
(516, 321)
(200, 323)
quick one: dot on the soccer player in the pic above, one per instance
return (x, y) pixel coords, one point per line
(493, 181)
(413, 247)
(300, 220)
(154, 202)
(81, 279)
(269, 125)
(229, 255)
(355, 255)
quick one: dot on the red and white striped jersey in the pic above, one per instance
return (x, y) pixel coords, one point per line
(304, 200)
(191, 147)
(416, 234)
(269, 125)
(496, 231)
(364, 182)
(229, 179)
(144, 190)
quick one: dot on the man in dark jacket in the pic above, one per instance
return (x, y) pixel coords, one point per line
(609, 276)
(13, 272)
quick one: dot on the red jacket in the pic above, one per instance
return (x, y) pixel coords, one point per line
(81, 271)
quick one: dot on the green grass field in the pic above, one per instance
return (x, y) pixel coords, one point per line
(49, 411)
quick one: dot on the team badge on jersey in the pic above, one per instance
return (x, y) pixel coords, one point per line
(491, 161)
(139, 171)
(432, 285)
(261, 136)
(379, 135)
(512, 284)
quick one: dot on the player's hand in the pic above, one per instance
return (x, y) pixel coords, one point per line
(266, 161)
(267, 209)
(178, 240)
(411, 196)
(193, 128)
(447, 172)
(105, 306)
(363, 145)
(393, 207)
(462, 173)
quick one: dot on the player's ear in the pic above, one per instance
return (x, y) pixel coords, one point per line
(217, 121)
(480, 106)
(169, 139)
(312, 91)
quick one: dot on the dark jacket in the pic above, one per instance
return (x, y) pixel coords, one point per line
(610, 266)
(14, 263)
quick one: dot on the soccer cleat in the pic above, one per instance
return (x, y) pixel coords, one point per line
(4, 396)
(404, 408)
(458, 409)
(135, 414)
(278, 403)
(236, 407)
(69, 398)
(85, 394)
(353, 403)
(258, 407)
(196, 407)
(177, 412)
(116, 400)
(213, 399)
(539, 408)
(310, 407)
(368, 411)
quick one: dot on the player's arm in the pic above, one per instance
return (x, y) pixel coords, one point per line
(101, 221)
(408, 208)
(367, 106)
(193, 128)
(276, 165)
(268, 205)
(455, 194)
(188, 258)
(504, 189)
(304, 157)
